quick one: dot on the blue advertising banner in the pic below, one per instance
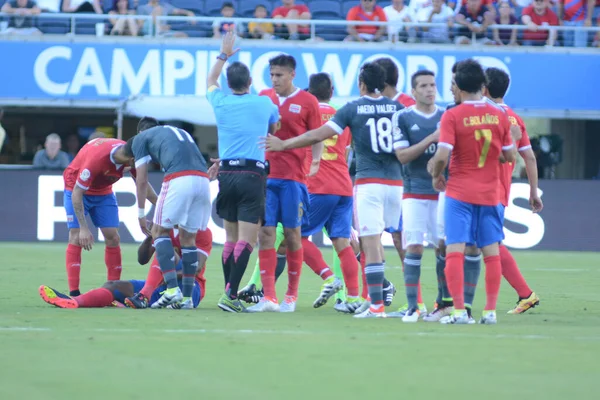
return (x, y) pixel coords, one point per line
(105, 71)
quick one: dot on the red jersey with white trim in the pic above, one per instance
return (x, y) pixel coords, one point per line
(507, 168)
(299, 113)
(405, 99)
(93, 168)
(333, 176)
(476, 132)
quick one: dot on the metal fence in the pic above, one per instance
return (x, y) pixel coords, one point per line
(98, 24)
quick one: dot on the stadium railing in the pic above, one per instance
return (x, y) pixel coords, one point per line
(202, 26)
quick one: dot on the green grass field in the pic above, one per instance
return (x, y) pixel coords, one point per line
(553, 352)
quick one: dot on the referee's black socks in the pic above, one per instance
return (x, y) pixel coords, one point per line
(241, 256)
(227, 260)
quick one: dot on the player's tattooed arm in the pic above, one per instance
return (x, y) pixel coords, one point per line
(86, 239)
(151, 195)
(317, 152)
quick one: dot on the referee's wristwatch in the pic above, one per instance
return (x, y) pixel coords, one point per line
(222, 56)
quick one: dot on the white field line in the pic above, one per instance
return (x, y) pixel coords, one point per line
(436, 335)
(565, 270)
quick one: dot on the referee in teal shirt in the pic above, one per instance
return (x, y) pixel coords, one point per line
(242, 119)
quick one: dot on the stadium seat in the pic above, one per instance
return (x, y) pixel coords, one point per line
(347, 5)
(247, 7)
(193, 5)
(88, 26)
(326, 9)
(331, 33)
(54, 26)
(107, 5)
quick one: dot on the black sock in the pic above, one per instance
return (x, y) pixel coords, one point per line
(241, 256)
(281, 261)
(227, 260)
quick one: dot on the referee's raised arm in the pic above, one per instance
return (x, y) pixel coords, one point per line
(242, 120)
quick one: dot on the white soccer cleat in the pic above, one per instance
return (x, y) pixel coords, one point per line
(183, 305)
(411, 316)
(330, 287)
(438, 314)
(288, 304)
(370, 314)
(461, 318)
(167, 299)
(363, 307)
(488, 318)
(264, 305)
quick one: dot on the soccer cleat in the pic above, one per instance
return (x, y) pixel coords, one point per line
(340, 306)
(266, 304)
(56, 298)
(288, 304)
(137, 301)
(117, 304)
(250, 294)
(458, 318)
(168, 297)
(388, 294)
(371, 314)
(330, 287)
(230, 305)
(186, 304)
(411, 315)
(525, 304)
(488, 318)
(363, 307)
(404, 309)
(437, 314)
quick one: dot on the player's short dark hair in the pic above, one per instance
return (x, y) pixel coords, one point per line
(423, 72)
(373, 76)
(470, 77)
(147, 123)
(283, 60)
(128, 148)
(391, 70)
(497, 82)
(454, 67)
(227, 4)
(320, 86)
(260, 6)
(238, 76)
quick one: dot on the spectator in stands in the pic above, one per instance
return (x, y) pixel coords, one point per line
(260, 30)
(48, 5)
(82, 6)
(156, 8)
(474, 19)
(576, 13)
(506, 37)
(289, 10)
(535, 16)
(2, 131)
(73, 146)
(397, 13)
(597, 38)
(96, 135)
(223, 25)
(436, 13)
(21, 21)
(366, 11)
(122, 26)
(416, 6)
(456, 5)
(51, 157)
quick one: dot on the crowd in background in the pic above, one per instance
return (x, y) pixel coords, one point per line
(465, 22)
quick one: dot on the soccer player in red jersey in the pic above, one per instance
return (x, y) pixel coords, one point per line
(476, 133)
(497, 86)
(88, 190)
(287, 197)
(116, 292)
(330, 192)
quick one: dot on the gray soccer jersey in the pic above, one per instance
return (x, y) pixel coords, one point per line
(414, 127)
(370, 121)
(173, 148)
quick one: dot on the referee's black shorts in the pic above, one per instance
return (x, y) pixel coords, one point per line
(242, 190)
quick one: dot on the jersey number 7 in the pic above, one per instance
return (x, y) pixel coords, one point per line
(381, 134)
(486, 135)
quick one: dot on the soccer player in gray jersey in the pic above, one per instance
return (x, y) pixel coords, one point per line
(184, 200)
(417, 127)
(378, 171)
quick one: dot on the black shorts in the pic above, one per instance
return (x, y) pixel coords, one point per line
(242, 188)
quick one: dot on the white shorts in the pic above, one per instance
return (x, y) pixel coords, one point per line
(420, 222)
(184, 201)
(378, 207)
(441, 226)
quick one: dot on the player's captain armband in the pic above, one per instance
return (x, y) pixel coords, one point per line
(212, 88)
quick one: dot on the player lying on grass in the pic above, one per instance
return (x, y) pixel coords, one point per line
(135, 293)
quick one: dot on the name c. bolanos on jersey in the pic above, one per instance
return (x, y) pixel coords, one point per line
(413, 127)
(173, 148)
(370, 121)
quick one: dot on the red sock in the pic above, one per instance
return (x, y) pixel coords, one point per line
(365, 287)
(153, 280)
(349, 267)
(112, 259)
(493, 278)
(419, 295)
(294, 259)
(95, 298)
(455, 277)
(267, 260)
(73, 259)
(314, 259)
(511, 272)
